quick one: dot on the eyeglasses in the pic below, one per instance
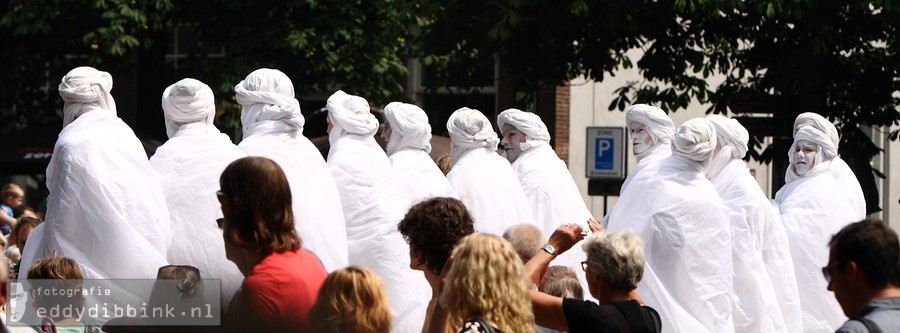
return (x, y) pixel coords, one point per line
(584, 265)
(826, 271)
(220, 194)
(220, 221)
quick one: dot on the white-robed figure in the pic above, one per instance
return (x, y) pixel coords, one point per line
(813, 206)
(188, 167)
(839, 169)
(363, 174)
(687, 242)
(485, 182)
(105, 210)
(273, 128)
(408, 136)
(765, 287)
(651, 132)
(549, 188)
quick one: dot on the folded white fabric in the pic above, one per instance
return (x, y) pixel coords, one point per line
(536, 133)
(350, 115)
(84, 89)
(695, 139)
(470, 129)
(818, 122)
(409, 126)
(267, 95)
(187, 101)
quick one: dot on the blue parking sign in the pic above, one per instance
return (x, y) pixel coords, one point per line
(604, 153)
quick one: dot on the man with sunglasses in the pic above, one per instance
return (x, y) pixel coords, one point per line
(863, 271)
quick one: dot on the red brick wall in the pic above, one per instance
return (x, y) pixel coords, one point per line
(562, 121)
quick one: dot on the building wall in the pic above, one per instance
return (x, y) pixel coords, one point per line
(588, 107)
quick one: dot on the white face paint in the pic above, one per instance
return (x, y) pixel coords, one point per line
(386, 132)
(641, 141)
(804, 156)
(512, 142)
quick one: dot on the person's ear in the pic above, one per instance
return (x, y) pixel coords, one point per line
(851, 270)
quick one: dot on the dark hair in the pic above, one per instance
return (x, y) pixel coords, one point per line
(258, 206)
(26, 221)
(873, 247)
(433, 227)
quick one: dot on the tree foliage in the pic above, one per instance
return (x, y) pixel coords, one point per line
(842, 53)
(322, 45)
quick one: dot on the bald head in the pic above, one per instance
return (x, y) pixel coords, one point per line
(526, 239)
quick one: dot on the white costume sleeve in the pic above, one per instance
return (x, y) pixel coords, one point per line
(273, 128)
(362, 172)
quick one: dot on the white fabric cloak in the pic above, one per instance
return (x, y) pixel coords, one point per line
(766, 293)
(372, 208)
(678, 214)
(484, 181)
(188, 167)
(764, 280)
(273, 128)
(105, 210)
(415, 173)
(839, 169)
(813, 207)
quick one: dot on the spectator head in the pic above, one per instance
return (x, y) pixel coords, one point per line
(69, 277)
(4, 278)
(23, 228)
(13, 195)
(615, 261)
(445, 163)
(351, 299)
(432, 228)
(526, 239)
(487, 281)
(12, 253)
(864, 260)
(257, 207)
(561, 281)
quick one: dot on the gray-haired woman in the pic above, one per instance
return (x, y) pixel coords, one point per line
(614, 266)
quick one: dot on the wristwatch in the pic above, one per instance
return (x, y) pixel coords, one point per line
(549, 249)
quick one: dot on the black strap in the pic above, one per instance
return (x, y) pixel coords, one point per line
(617, 317)
(651, 315)
(869, 324)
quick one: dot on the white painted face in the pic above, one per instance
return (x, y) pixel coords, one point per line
(386, 132)
(804, 156)
(641, 141)
(512, 142)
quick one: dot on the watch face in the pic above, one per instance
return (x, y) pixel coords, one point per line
(549, 248)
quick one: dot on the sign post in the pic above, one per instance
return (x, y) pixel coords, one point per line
(605, 165)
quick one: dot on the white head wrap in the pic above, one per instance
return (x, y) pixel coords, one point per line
(656, 122)
(732, 138)
(820, 123)
(470, 129)
(536, 133)
(695, 139)
(185, 102)
(826, 152)
(84, 89)
(409, 127)
(350, 114)
(267, 98)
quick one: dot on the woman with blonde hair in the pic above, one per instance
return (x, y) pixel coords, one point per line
(485, 288)
(351, 299)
